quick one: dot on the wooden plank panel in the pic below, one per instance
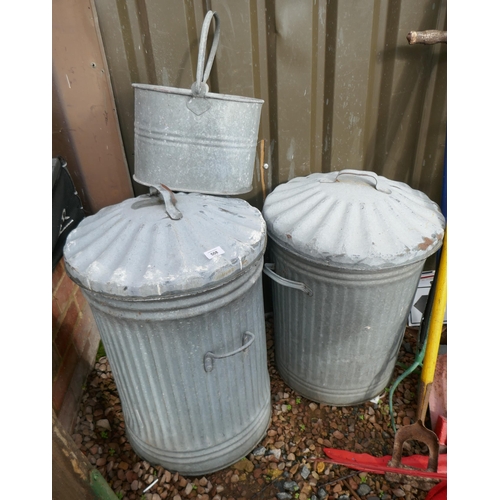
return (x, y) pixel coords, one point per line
(86, 105)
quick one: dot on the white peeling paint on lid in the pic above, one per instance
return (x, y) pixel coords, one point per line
(355, 219)
(133, 249)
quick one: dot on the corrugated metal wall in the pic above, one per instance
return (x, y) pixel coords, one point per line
(342, 86)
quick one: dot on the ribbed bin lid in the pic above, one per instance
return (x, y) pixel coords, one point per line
(143, 247)
(355, 219)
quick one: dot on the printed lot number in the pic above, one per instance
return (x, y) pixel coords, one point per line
(210, 254)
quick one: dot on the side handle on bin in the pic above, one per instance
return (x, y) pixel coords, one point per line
(269, 271)
(208, 359)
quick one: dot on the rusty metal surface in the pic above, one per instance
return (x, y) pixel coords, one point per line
(342, 86)
(416, 432)
(427, 37)
(85, 124)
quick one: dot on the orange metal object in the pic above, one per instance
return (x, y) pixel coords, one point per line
(378, 465)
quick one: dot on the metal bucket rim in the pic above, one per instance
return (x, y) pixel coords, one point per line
(189, 93)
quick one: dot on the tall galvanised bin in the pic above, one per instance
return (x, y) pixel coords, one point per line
(347, 250)
(175, 286)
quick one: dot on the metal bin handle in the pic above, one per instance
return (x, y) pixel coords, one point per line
(208, 359)
(372, 175)
(167, 195)
(269, 271)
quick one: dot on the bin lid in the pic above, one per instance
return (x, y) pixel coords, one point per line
(153, 245)
(355, 219)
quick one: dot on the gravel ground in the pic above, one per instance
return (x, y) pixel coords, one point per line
(284, 465)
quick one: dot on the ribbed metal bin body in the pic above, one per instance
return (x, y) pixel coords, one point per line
(334, 347)
(175, 286)
(177, 414)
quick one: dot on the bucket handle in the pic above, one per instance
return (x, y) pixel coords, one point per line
(208, 359)
(200, 87)
(268, 269)
(372, 175)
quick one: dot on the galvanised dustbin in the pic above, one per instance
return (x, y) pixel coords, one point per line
(175, 286)
(347, 250)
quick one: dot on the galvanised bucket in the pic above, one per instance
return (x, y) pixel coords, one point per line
(176, 292)
(347, 250)
(195, 140)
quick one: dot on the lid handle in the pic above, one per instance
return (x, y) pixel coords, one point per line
(170, 201)
(168, 198)
(372, 175)
(200, 87)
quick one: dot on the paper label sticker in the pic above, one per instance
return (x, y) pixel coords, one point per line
(210, 254)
